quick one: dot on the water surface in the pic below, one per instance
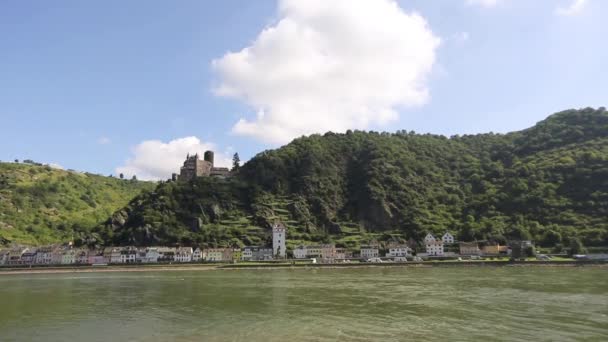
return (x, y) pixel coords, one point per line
(370, 304)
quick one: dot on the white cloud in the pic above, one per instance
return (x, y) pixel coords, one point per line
(575, 7)
(329, 65)
(154, 159)
(104, 141)
(483, 3)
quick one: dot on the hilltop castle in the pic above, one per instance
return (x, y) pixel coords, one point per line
(194, 167)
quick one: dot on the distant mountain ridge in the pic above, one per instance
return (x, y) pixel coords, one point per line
(548, 183)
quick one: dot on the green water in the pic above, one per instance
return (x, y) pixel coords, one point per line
(398, 304)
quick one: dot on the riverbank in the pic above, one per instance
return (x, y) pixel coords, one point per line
(209, 267)
(110, 268)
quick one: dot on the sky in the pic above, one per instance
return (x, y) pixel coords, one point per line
(133, 86)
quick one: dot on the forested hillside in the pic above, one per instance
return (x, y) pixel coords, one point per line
(548, 183)
(40, 204)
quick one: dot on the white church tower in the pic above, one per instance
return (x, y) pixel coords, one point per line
(278, 240)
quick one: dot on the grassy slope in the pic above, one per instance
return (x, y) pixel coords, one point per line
(40, 204)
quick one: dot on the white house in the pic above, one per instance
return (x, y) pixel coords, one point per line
(166, 254)
(115, 257)
(247, 253)
(183, 254)
(128, 255)
(197, 255)
(434, 248)
(447, 238)
(150, 255)
(278, 240)
(44, 256)
(368, 251)
(398, 251)
(429, 238)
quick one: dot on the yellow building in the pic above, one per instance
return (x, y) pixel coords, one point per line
(491, 250)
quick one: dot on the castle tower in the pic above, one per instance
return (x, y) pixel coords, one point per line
(208, 157)
(278, 240)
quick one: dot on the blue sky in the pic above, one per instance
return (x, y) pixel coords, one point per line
(107, 86)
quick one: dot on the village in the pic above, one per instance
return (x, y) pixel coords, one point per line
(434, 249)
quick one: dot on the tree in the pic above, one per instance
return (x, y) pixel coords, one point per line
(576, 247)
(236, 162)
(16, 160)
(122, 176)
(551, 238)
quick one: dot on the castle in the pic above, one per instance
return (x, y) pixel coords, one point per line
(194, 167)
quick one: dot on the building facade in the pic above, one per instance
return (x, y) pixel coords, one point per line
(369, 251)
(447, 238)
(469, 248)
(434, 248)
(398, 251)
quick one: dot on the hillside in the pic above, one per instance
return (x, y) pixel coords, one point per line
(548, 183)
(40, 204)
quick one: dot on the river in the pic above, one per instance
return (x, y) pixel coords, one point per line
(366, 304)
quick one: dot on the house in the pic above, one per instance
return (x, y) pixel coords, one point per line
(429, 238)
(279, 235)
(434, 248)
(96, 257)
(447, 238)
(197, 255)
(215, 254)
(256, 253)
(57, 256)
(28, 257)
(44, 255)
(128, 255)
(314, 251)
(82, 256)
(395, 250)
(491, 249)
(166, 254)
(262, 254)
(183, 254)
(247, 253)
(300, 252)
(469, 248)
(369, 251)
(152, 254)
(115, 255)
(68, 257)
(14, 256)
(341, 253)
(227, 254)
(503, 250)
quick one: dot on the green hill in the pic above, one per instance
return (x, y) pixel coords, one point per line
(548, 183)
(40, 204)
